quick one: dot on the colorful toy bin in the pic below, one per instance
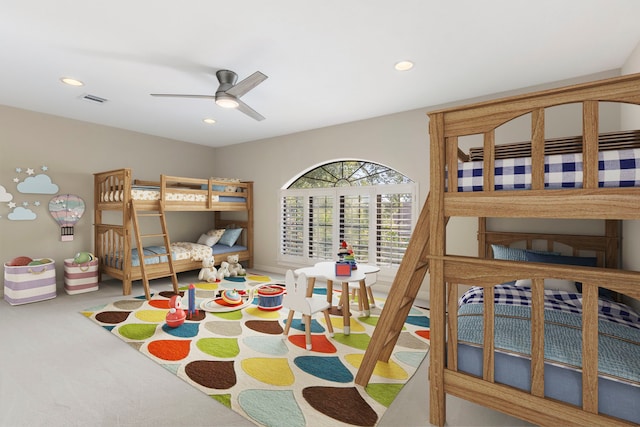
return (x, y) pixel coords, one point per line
(30, 283)
(80, 277)
(270, 297)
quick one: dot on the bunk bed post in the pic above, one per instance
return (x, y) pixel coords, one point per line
(590, 144)
(126, 218)
(97, 219)
(482, 237)
(612, 251)
(537, 149)
(437, 292)
(250, 223)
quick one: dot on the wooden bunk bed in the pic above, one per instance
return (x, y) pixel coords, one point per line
(604, 373)
(116, 191)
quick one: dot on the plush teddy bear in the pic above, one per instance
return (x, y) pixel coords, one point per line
(208, 272)
(235, 268)
(223, 271)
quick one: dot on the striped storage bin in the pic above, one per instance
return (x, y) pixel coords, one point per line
(79, 278)
(29, 283)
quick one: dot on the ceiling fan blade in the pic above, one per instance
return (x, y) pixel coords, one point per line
(172, 95)
(247, 84)
(249, 111)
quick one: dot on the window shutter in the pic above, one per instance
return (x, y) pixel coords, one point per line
(321, 244)
(292, 226)
(354, 224)
(393, 227)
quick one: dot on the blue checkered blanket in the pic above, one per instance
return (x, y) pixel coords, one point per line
(617, 168)
(568, 302)
(618, 345)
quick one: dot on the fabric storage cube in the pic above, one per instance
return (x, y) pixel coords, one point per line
(29, 283)
(79, 278)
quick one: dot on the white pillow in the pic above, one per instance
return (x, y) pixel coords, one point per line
(551, 284)
(217, 233)
(207, 240)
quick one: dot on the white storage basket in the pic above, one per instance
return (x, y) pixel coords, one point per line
(29, 283)
(79, 278)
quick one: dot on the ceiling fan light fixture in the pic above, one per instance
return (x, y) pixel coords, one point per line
(226, 101)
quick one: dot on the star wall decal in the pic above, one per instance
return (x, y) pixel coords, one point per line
(30, 171)
(11, 205)
(44, 168)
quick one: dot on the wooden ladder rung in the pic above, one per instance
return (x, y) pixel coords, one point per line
(153, 235)
(149, 214)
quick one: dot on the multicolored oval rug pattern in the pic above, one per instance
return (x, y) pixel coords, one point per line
(241, 359)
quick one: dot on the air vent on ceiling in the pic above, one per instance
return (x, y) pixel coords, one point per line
(94, 98)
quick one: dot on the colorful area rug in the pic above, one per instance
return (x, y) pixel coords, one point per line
(241, 359)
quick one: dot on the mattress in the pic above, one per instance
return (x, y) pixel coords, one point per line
(617, 168)
(618, 345)
(153, 193)
(219, 249)
(153, 254)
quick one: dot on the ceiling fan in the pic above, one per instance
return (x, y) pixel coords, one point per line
(229, 93)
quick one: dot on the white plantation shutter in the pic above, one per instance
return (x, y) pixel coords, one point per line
(376, 221)
(321, 228)
(394, 223)
(354, 224)
(292, 226)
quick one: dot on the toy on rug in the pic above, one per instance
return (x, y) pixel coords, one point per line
(176, 315)
(235, 268)
(192, 300)
(231, 297)
(208, 272)
(223, 271)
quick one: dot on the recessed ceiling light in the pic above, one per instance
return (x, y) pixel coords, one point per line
(71, 82)
(404, 65)
(209, 121)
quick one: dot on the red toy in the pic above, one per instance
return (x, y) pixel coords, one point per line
(176, 315)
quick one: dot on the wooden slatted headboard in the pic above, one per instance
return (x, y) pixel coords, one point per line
(604, 247)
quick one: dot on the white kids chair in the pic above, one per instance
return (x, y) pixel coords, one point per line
(296, 299)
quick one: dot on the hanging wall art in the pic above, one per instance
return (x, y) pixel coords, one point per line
(66, 209)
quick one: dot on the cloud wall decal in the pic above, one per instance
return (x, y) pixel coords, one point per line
(39, 184)
(5, 196)
(22, 214)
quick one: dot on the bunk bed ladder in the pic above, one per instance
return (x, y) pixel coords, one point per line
(136, 213)
(403, 292)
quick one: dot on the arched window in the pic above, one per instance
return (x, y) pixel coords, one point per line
(368, 205)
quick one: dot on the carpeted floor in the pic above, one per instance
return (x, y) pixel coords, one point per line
(241, 359)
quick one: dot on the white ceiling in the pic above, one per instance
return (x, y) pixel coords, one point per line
(328, 62)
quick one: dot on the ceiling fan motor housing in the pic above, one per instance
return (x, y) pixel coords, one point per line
(227, 79)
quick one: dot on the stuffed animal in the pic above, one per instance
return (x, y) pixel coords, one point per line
(223, 271)
(235, 268)
(208, 272)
